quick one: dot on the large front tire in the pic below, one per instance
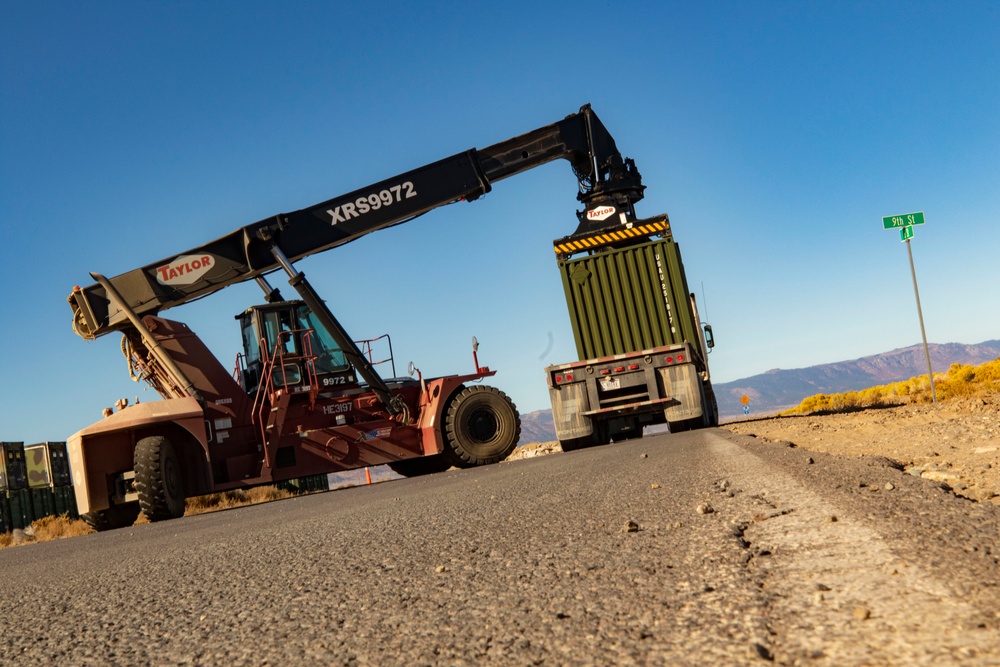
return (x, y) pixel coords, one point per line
(158, 479)
(482, 426)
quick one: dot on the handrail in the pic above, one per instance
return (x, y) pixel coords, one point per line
(366, 348)
(278, 358)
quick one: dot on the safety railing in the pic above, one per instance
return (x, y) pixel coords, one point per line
(367, 349)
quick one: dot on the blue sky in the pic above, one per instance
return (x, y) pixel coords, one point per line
(775, 135)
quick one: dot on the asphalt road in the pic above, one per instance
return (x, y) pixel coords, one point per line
(690, 549)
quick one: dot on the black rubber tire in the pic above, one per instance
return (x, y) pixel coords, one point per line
(713, 408)
(116, 516)
(709, 414)
(576, 443)
(423, 465)
(600, 437)
(158, 479)
(685, 425)
(481, 426)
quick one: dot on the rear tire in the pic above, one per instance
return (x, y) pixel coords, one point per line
(158, 479)
(116, 516)
(575, 444)
(713, 407)
(423, 465)
(600, 437)
(481, 427)
(709, 413)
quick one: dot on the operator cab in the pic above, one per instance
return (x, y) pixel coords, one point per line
(286, 342)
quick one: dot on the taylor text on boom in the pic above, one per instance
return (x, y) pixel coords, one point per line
(191, 267)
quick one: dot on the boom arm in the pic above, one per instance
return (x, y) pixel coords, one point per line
(605, 178)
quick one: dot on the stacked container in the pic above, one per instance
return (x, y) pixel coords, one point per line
(306, 484)
(49, 479)
(15, 498)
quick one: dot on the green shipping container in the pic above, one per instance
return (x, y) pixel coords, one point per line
(13, 475)
(6, 524)
(20, 508)
(43, 502)
(65, 501)
(629, 300)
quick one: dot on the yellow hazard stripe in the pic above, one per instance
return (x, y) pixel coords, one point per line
(610, 237)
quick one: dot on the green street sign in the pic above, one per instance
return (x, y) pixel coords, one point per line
(905, 220)
(906, 233)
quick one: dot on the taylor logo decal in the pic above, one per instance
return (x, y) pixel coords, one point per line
(601, 213)
(185, 270)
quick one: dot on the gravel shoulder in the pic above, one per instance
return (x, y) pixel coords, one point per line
(956, 442)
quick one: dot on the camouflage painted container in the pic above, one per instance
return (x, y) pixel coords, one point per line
(13, 475)
(47, 464)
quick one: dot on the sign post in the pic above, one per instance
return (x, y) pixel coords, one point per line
(904, 223)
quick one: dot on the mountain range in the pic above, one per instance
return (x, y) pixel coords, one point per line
(779, 389)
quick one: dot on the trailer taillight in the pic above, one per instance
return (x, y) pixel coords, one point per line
(564, 378)
(633, 367)
(680, 358)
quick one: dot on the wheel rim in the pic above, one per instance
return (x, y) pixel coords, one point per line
(171, 480)
(483, 425)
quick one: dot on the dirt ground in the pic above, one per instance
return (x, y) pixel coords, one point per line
(955, 442)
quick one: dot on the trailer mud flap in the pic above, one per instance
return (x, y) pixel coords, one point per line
(683, 383)
(569, 402)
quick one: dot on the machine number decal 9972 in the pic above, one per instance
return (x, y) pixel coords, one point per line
(372, 202)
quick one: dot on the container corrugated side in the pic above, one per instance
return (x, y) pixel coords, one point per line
(629, 299)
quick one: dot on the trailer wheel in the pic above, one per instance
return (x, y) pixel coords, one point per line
(713, 406)
(574, 444)
(709, 413)
(481, 426)
(158, 479)
(600, 437)
(116, 516)
(422, 465)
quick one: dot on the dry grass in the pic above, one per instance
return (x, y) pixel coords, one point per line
(49, 528)
(959, 381)
(58, 527)
(235, 498)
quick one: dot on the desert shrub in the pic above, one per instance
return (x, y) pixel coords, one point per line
(959, 381)
(988, 375)
(50, 528)
(234, 498)
(56, 527)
